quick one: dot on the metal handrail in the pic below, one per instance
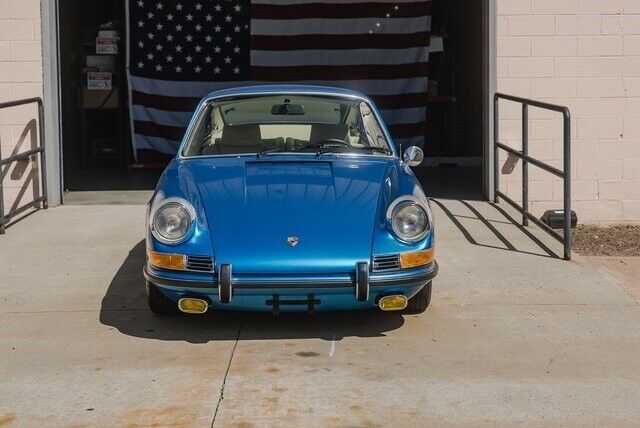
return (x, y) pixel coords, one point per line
(43, 198)
(523, 155)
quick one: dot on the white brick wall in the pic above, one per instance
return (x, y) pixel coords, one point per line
(581, 53)
(20, 77)
(584, 54)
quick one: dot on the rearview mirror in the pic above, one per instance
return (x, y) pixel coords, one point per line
(287, 109)
(413, 156)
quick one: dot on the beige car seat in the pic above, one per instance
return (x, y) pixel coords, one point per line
(240, 139)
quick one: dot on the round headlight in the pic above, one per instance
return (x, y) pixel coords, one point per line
(410, 221)
(172, 221)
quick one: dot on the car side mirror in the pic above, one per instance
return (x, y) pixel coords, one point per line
(413, 156)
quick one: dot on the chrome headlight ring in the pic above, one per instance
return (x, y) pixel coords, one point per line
(410, 202)
(181, 207)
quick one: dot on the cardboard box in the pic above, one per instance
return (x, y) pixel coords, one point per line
(100, 99)
(101, 62)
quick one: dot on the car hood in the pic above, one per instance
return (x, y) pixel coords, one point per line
(253, 206)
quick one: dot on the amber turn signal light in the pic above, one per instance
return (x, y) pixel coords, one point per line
(393, 303)
(419, 258)
(167, 261)
(193, 306)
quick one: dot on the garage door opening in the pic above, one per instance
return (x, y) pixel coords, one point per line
(455, 123)
(97, 152)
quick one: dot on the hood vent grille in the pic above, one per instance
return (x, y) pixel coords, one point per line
(200, 263)
(385, 263)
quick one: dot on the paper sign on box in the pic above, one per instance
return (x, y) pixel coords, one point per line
(99, 81)
(106, 46)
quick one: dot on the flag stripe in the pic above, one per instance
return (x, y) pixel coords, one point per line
(340, 41)
(161, 117)
(278, 74)
(188, 104)
(164, 102)
(340, 11)
(158, 144)
(340, 57)
(151, 129)
(292, 27)
(200, 89)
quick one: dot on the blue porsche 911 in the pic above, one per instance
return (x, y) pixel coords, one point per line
(289, 198)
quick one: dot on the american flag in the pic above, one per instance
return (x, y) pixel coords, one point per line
(180, 51)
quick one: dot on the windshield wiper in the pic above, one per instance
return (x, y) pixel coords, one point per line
(328, 143)
(366, 148)
(316, 145)
(269, 151)
(325, 147)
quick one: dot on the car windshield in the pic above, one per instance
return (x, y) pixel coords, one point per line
(287, 124)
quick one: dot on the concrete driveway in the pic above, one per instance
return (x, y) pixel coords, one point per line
(514, 336)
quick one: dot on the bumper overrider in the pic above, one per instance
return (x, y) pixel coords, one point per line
(225, 290)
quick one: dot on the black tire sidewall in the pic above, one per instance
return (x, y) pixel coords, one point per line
(158, 303)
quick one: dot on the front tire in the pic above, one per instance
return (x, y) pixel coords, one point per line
(420, 302)
(158, 302)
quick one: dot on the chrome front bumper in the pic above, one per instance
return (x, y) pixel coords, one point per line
(208, 281)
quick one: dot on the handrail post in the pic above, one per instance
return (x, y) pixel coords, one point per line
(496, 149)
(43, 156)
(525, 163)
(523, 155)
(567, 184)
(26, 156)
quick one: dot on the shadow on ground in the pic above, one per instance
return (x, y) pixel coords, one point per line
(124, 307)
(507, 245)
(451, 182)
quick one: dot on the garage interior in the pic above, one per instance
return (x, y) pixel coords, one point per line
(97, 151)
(454, 137)
(97, 148)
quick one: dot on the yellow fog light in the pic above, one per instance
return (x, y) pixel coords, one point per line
(193, 306)
(167, 261)
(419, 258)
(393, 303)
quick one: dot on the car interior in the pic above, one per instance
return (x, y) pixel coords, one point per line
(278, 124)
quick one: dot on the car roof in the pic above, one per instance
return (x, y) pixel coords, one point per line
(285, 89)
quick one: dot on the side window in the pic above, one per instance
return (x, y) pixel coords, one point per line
(217, 125)
(375, 136)
(353, 121)
(208, 129)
